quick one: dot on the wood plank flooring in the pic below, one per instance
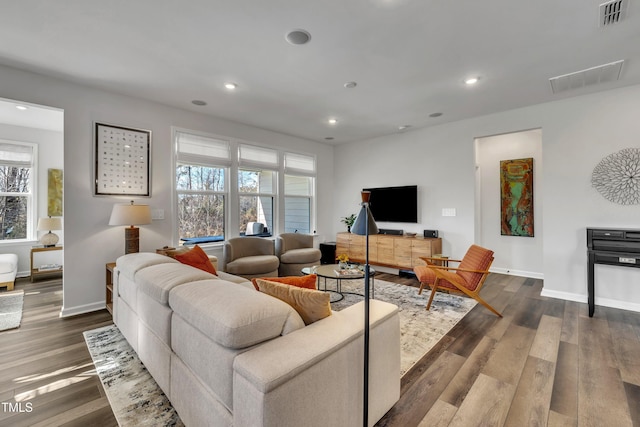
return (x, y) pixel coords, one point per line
(545, 363)
(46, 364)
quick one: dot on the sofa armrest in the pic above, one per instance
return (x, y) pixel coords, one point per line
(313, 376)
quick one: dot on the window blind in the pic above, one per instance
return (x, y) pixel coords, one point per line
(252, 155)
(299, 163)
(198, 149)
(17, 155)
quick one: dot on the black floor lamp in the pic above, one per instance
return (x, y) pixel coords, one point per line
(365, 225)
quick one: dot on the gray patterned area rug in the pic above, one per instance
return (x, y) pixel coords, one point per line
(136, 399)
(420, 329)
(11, 309)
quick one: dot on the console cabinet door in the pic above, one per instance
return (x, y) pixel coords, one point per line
(385, 250)
(402, 252)
(420, 248)
(373, 248)
(343, 240)
(356, 248)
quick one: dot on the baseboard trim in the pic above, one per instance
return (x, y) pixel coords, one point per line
(605, 302)
(519, 273)
(82, 309)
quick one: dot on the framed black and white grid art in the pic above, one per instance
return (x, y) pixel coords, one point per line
(122, 161)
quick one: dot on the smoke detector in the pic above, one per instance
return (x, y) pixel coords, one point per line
(613, 12)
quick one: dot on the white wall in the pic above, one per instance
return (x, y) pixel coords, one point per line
(521, 256)
(50, 156)
(89, 242)
(576, 134)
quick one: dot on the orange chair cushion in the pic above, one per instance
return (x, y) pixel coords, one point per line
(426, 275)
(476, 258)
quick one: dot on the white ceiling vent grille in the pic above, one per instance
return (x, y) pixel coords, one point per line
(591, 76)
(612, 12)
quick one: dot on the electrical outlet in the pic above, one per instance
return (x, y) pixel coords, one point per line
(448, 211)
(157, 213)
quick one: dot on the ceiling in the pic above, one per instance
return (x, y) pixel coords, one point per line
(31, 116)
(409, 58)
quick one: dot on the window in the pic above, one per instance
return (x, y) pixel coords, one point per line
(201, 189)
(298, 193)
(227, 188)
(17, 166)
(257, 186)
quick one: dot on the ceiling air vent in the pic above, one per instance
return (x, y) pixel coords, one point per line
(591, 76)
(612, 12)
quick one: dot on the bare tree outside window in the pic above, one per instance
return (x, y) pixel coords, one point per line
(256, 192)
(200, 201)
(15, 190)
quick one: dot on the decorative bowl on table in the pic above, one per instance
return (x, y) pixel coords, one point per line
(408, 234)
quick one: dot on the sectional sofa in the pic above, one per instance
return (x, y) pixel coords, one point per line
(228, 355)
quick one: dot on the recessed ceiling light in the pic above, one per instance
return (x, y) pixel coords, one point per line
(471, 80)
(332, 121)
(350, 85)
(198, 102)
(434, 115)
(298, 37)
(404, 127)
(230, 85)
(21, 107)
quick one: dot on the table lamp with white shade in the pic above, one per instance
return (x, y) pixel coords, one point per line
(132, 215)
(49, 239)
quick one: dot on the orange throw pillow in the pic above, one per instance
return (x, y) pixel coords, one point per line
(306, 282)
(197, 258)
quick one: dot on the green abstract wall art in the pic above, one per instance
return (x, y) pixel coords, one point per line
(516, 197)
(54, 193)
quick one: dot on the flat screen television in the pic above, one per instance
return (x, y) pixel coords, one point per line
(394, 204)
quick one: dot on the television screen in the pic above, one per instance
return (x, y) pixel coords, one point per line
(394, 204)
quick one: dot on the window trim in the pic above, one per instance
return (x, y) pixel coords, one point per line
(32, 196)
(235, 164)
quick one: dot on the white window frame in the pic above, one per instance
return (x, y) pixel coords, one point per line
(277, 159)
(200, 160)
(300, 165)
(31, 196)
(255, 158)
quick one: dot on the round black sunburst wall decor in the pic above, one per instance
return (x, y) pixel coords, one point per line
(617, 177)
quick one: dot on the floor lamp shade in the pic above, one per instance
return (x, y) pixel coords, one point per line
(365, 225)
(132, 215)
(47, 224)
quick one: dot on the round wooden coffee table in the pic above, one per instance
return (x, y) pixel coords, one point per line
(332, 272)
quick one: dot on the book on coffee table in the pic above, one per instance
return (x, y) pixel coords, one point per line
(348, 272)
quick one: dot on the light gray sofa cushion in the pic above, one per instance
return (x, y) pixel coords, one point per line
(232, 315)
(158, 280)
(130, 264)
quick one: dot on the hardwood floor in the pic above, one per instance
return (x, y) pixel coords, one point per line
(46, 367)
(545, 363)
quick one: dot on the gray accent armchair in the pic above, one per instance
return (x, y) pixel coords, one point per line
(250, 257)
(296, 251)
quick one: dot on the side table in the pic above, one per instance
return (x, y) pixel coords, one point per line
(109, 284)
(35, 272)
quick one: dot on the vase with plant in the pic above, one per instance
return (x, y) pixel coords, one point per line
(348, 221)
(343, 261)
